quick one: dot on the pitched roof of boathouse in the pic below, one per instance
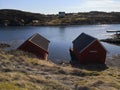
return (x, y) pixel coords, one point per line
(40, 41)
(82, 41)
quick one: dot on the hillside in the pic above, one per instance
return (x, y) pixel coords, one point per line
(9, 17)
(23, 71)
(19, 18)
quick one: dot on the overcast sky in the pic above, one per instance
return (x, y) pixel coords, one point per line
(54, 6)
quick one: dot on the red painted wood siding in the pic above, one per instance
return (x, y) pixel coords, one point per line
(32, 48)
(94, 53)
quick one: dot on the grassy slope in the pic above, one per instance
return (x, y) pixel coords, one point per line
(23, 71)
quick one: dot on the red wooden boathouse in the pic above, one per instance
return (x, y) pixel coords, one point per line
(37, 45)
(87, 49)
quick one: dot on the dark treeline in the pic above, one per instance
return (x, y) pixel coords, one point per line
(20, 18)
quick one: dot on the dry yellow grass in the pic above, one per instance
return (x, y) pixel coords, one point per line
(23, 71)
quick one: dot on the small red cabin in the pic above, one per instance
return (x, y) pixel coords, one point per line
(37, 45)
(87, 49)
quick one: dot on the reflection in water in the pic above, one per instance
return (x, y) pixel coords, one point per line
(61, 32)
(112, 49)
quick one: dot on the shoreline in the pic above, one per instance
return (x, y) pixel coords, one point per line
(10, 17)
(109, 59)
(61, 25)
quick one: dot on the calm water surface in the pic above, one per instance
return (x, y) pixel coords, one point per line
(61, 37)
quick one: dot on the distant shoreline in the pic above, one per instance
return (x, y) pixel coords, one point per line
(59, 25)
(9, 17)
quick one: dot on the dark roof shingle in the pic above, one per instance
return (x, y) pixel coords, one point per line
(82, 41)
(39, 40)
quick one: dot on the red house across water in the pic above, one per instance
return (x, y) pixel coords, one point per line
(37, 45)
(87, 49)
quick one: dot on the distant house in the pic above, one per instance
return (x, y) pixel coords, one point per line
(61, 14)
(37, 45)
(87, 49)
